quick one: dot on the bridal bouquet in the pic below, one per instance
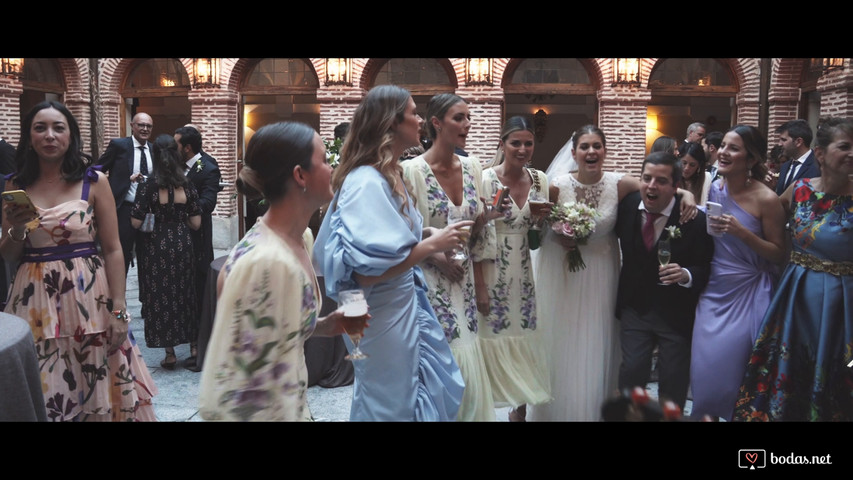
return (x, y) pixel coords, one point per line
(576, 221)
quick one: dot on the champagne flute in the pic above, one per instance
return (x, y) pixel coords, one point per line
(354, 307)
(458, 214)
(538, 206)
(664, 255)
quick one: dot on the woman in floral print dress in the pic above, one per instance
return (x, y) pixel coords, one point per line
(268, 292)
(72, 295)
(506, 297)
(440, 178)
(799, 366)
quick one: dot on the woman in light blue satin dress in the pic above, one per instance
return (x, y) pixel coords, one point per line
(372, 238)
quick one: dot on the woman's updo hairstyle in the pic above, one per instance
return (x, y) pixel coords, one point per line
(437, 107)
(272, 154)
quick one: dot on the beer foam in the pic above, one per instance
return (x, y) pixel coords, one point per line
(355, 309)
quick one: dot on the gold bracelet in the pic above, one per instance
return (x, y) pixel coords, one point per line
(26, 231)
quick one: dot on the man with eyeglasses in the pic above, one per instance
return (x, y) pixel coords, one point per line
(128, 161)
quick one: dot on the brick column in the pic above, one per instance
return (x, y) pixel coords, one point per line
(622, 116)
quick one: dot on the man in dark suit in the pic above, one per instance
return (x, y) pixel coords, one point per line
(653, 314)
(205, 177)
(795, 137)
(127, 160)
(204, 154)
(7, 166)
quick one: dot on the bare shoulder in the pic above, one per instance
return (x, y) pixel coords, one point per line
(100, 187)
(768, 200)
(765, 194)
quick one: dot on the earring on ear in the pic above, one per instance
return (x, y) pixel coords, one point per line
(304, 190)
(749, 177)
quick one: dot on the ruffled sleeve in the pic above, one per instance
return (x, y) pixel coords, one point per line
(364, 231)
(485, 244)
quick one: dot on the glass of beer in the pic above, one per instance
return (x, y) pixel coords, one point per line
(538, 203)
(354, 307)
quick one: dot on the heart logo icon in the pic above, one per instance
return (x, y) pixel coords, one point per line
(752, 457)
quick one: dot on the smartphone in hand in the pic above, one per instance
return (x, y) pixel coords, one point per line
(713, 209)
(20, 198)
(500, 198)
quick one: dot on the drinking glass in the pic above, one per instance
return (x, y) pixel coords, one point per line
(538, 206)
(354, 307)
(488, 208)
(664, 254)
(458, 214)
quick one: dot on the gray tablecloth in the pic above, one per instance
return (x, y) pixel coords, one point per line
(324, 356)
(21, 398)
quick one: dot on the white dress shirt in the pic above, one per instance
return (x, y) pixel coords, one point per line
(192, 161)
(795, 167)
(137, 156)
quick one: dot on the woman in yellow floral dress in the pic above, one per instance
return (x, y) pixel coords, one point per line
(269, 297)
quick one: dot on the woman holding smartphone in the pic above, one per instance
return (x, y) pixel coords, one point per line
(71, 292)
(503, 275)
(749, 241)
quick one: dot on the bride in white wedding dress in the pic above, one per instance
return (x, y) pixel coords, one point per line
(576, 310)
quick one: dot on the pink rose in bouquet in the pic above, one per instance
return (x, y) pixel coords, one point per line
(574, 220)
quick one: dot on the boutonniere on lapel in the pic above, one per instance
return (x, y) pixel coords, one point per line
(673, 231)
(198, 166)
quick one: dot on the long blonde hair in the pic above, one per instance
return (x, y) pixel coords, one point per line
(370, 140)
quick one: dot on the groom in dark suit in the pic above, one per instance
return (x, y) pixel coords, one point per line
(652, 314)
(205, 176)
(126, 160)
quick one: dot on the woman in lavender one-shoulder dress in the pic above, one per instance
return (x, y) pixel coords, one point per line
(743, 274)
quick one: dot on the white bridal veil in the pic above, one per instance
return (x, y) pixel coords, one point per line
(564, 162)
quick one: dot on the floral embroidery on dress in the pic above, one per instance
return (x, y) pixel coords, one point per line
(244, 246)
(811, 213)
(256, 362)
(440, 299)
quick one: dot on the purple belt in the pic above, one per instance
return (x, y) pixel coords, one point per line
(59, 252)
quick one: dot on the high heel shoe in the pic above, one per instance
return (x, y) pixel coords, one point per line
(170, 361)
